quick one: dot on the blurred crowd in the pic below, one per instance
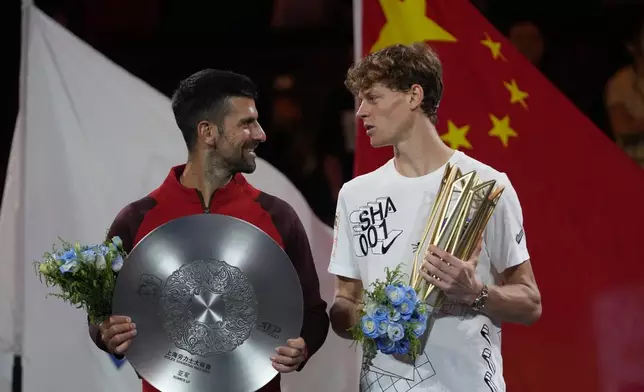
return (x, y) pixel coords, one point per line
(623, 94)
(298, 52)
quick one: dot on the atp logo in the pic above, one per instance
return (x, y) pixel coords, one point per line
(369, 224)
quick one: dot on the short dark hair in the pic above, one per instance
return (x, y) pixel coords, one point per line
(398, 67)
(204, 96)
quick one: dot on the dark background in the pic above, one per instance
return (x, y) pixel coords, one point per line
(298, 52)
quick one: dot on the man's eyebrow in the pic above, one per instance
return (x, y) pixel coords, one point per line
(247, 120)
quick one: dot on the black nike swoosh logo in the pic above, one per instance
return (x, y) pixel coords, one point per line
(389, 241)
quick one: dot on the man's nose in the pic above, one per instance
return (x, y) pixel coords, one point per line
(362, 111)
(259, 134)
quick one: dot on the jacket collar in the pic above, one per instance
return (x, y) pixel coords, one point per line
(174, 188)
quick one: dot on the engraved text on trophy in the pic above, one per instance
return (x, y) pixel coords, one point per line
(149, 286)
(269, 329)
(208, 307)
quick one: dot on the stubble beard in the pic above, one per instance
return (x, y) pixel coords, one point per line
(219, 169)
(217, 172)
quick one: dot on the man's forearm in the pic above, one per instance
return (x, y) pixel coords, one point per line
(515, 303)
(343, 315)
(315, 328)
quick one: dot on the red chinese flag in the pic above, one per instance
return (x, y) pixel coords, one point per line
(582, 198)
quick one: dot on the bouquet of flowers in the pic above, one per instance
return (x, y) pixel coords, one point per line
(392, 318)
(84, 274)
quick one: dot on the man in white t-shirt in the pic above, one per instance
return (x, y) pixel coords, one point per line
(379, 222)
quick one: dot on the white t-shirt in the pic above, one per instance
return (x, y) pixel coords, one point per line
(379, 223)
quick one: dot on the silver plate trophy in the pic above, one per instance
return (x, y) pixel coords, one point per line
(212, 297)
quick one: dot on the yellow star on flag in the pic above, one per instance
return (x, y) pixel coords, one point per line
(456, 136)
(495, 47)
(501, 129)
(516, 95)
(408, 23)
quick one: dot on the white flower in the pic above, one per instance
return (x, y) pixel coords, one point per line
(100, 262)
(370, 308)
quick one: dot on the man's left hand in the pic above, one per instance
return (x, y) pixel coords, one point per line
(290, 357)
(456, 278)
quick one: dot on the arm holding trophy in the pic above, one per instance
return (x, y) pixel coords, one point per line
(518, 300)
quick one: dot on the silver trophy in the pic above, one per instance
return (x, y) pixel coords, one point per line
(212, 296)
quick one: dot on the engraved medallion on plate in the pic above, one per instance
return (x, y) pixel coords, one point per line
(208, 307)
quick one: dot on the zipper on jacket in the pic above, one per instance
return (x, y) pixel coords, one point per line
(206, 208)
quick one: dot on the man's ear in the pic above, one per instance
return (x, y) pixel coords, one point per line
(206, 133)
(415, 96)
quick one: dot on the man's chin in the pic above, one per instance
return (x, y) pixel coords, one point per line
(376, 143)
(249, 170)
(248, 167)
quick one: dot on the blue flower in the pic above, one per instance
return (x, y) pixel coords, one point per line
(419, 318)
(69, 266)
(117, 241)
(386, 345)
(383, 325)
(395, 332)
(103, 249)
(69, 254)
(89, 255)
(402, 346)
(395, 294)
(381, 313)
(418, 328)
(406, 309)
(117, 263)
(88, 247)
(369, 327)
(394, 315)
(410, 294)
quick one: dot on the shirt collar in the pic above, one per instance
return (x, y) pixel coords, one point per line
(173, 186)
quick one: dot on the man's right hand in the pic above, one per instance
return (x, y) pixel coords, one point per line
(117, 333)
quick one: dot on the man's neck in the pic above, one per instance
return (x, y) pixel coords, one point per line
(422, 151)
(204, 176)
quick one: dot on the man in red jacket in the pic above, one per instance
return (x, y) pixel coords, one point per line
(216, 113)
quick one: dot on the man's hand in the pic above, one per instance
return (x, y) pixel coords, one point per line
(289, 358)
(456, 278)
(117, 333)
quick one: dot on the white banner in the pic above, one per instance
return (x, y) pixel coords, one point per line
(95, 139)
